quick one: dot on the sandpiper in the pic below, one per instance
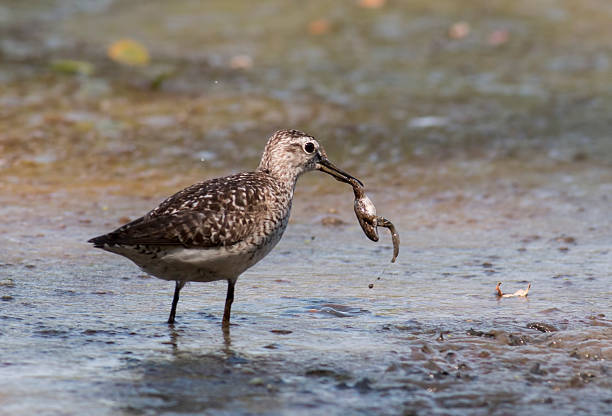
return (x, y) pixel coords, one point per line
(217, 229)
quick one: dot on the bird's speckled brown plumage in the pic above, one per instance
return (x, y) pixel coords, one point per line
(217, 229)
(215, 213)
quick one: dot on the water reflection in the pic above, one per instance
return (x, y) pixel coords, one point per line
(174, 336)
(446, 341)
(191, 382)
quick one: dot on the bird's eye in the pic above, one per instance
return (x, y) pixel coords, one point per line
(309, 147)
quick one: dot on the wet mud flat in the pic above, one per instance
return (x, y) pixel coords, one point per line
(430, 337)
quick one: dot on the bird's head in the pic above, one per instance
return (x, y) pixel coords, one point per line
(289, 153)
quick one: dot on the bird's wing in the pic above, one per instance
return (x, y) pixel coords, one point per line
(189, 229)
(241, 192)
(218, 212)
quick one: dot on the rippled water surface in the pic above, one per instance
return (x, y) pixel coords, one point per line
(489, 151)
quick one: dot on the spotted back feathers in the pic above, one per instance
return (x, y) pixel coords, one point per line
(225, 211)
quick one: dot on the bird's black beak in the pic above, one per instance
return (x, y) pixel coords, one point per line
(324, 165)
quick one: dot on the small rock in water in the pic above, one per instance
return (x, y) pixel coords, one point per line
(332, 221)
(535, 369)
(476, 333)
(363, 385)
(256, 381)
(542, 327)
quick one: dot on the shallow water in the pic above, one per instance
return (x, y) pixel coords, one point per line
(492, 161)
(429, 338)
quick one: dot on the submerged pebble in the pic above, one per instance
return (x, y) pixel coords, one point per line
(542, 327)
(7, 282)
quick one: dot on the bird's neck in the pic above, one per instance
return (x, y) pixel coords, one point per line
(287, 178)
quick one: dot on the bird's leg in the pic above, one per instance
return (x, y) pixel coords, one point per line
(177, 289)
(228, 303)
